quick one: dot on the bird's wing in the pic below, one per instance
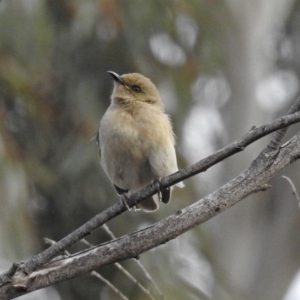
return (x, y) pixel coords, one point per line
(166, 195)
(163, 160)
(163, 163)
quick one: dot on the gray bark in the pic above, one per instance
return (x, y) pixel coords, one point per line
(252, 180)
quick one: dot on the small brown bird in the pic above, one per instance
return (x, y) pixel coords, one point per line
(136, 139)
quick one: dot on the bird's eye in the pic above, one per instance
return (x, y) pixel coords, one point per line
(136, 88)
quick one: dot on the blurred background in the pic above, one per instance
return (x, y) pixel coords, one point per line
(221, 66)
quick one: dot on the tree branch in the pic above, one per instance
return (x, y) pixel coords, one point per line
(279, 135)
(253, 179)
(118, 208)
(294, 190)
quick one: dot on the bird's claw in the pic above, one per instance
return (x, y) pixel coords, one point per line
(124, 199)
(157, 183)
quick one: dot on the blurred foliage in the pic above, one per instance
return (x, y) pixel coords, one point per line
(221, 66)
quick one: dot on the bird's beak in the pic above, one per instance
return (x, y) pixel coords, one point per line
(117, 78)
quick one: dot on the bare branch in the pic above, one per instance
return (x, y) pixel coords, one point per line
(119, 207)
(93, 273)
(267, 164)
(279, 135)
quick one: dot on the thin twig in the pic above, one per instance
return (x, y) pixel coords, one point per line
(134, 280)
(149, 277)
(93, 273)
(125, 272)
(51, 242)
(109, 232)
(108, 283)
(147, 274)
(294, 191)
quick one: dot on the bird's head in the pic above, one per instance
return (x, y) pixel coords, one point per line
(134, 87)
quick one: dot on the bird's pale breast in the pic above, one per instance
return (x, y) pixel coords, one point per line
(130, 143)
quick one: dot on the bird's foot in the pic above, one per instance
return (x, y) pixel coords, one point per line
(157, 183)
(124, 200)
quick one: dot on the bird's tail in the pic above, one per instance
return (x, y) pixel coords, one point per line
(148, 205)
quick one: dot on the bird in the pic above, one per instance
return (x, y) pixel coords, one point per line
(136, 139)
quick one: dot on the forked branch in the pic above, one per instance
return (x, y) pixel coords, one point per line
(41, 272)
